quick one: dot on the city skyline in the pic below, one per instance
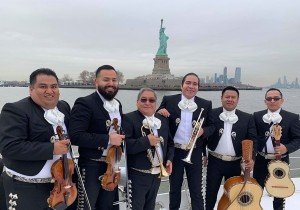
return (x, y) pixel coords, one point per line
(232, 78)
(261, 37)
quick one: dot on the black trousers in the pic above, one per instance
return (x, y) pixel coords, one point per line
(216, 170)
(2, 193)
(144, 190)
(260, 173)
(99, 198)
(194, 178)
(24, 196)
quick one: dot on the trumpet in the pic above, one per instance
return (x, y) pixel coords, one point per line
(193, 138)
(163, 171)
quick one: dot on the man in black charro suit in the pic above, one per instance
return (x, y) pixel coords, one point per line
(290, 139)
(183, 110)
(91, 130)
(225, 145)
(2, 195)
(143, 163)
(26, 128)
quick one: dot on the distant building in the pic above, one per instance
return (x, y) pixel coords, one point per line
(297, 83)
(225, 78)
(237, 75)
(286, 84)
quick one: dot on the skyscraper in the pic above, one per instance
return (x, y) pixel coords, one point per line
(237, 75)
(285, 82)
(225, 78)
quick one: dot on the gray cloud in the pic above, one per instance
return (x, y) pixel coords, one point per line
(261, 37)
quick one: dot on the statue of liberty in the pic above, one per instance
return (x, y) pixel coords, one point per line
(163, 38)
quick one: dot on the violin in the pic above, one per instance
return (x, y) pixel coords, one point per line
(64, 191)
(112, 176)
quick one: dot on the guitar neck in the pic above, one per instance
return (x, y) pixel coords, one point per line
(276, 136)
(247, 174)
(277, 155)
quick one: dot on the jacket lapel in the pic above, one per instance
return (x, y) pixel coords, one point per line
(218, 122)
(100, 105)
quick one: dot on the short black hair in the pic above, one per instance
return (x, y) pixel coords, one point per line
(106, 67)
(190, 74)
(231, 88)
(45, 71)
(276, 89)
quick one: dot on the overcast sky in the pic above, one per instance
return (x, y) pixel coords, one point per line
(69, 36)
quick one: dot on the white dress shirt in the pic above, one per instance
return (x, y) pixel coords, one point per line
(113, 113)
(185, 128)
(275, 118)
(225, 145)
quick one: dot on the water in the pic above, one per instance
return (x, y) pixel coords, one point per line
(250, 101)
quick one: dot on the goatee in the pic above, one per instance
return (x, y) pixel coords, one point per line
(108, 95)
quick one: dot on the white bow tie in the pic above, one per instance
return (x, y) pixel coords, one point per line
(54, 116)
(272, 117)
(152, 122)
(111, 106)
(188, 104)
(229, 117)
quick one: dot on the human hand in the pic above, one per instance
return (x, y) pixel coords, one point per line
(281, 149)
(164, 112)
(61, 147)
(169, 166)
(200, 133)
(249, 165)
(154, 140)
(116, 139)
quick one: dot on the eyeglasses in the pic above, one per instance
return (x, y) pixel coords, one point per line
(271, 98)
(151, 100)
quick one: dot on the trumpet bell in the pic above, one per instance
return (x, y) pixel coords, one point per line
(187, 160)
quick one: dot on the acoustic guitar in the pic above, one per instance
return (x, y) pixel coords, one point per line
(279, 183)
(242, 192)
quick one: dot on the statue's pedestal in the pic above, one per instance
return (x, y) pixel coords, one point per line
(161, 65)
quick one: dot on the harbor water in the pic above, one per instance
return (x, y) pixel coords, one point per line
(250, 101)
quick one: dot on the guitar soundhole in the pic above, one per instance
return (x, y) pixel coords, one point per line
(245, 199)
(279, 173)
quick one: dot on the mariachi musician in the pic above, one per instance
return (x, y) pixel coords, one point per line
(289, 142)
(26, 128)
(2, 195)
(183, 110)
(91, 129)
(150, 150)
(225, 145)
